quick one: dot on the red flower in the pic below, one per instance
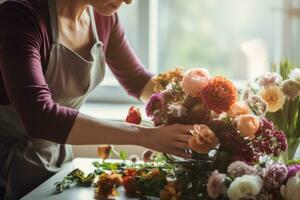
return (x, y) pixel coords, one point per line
(219, 95)
(134, 116)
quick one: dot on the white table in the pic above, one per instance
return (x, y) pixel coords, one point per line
(47, 189)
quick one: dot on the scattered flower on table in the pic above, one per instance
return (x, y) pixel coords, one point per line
(171, 191)
(104, 151)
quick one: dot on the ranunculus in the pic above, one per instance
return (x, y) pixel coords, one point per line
(291, 89)
(219, 95)
(240, 168)
(295, 75)
(216, 185)
(247, 186)
(274, 97)
(194, 80)
(291, 191)
(239, 108)
(275, 175)
(248, 125)
(134, 116)
(204, 139)
(269, 79)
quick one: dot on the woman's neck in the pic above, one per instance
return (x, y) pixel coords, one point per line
(72, 9)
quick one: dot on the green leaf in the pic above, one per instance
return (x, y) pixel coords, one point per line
(123, 155)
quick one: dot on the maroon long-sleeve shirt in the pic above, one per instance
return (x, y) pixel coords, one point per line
(25, 44)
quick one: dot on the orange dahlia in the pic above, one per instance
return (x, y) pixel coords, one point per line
(219, 95)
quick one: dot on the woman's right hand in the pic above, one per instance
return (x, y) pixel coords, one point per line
(172, 139)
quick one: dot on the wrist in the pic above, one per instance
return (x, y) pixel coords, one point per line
(142, 136)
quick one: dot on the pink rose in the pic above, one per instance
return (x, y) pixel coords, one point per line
(204, 139)
(194, 80)
(248, 125)
(239, 108)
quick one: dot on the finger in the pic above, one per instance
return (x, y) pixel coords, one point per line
(180, 145)
(187, 129)
(180, 153)
(183, 138)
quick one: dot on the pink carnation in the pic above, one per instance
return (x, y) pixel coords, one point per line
(194, 81)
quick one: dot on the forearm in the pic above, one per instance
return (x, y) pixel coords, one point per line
(147, 91)
(88, 131)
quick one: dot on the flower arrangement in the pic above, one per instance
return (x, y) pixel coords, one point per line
(235, 138)
(280, 94)
(223, 121)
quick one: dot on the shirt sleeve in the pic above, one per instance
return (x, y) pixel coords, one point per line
(123, 62)
(23, 77)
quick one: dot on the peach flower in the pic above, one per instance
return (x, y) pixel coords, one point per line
(104, 151)
(204, 139)
(274, 97)
(248, 125)
(194, 80)
(219, 95)
(239, 108)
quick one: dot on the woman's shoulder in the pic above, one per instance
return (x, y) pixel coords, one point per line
(19, 10)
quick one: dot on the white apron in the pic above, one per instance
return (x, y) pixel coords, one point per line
(26, 162)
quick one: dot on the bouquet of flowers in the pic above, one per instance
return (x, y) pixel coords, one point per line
(223, 121)
(281, 93)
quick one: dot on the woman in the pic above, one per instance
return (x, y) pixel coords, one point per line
(52, 54)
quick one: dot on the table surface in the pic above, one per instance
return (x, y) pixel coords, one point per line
(47, 189)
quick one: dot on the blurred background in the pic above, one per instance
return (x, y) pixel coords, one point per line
(239, 39)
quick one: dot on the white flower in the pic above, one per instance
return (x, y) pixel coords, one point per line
(246, 186)
(269, 79)
(295, 75)
(291, 191)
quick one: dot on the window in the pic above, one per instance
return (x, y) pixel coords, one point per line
(237, 39)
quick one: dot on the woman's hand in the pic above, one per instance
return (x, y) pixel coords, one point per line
(171, 139)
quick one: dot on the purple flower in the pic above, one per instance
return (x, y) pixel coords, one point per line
(275, 175)
(293, 170)
(154, 104)
(269, 141)
(240, 168)
(216, 185)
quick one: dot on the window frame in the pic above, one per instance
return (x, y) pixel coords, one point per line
(147, 45)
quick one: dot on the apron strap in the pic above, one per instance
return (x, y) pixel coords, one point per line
(93, 22)
(53, 20)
